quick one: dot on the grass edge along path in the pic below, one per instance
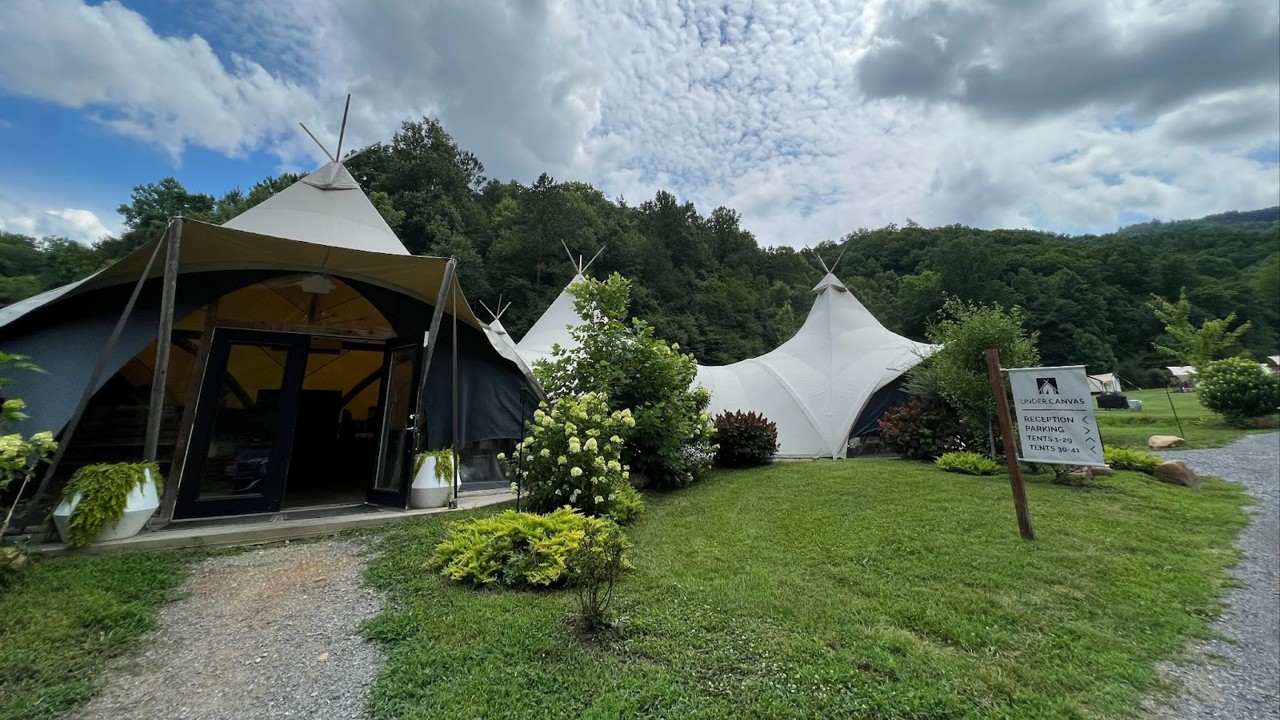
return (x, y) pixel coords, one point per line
(63, 621)
(870, 589)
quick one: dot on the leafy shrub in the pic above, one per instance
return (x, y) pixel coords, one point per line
(1126, 459)
(594, 568)
(519, 549)
(671, 444)
(921, 429)
(969, 463)
(745, 439)
(570, 456)
(1238, 389)
(957, 371)
(627, 505)
(104, 492)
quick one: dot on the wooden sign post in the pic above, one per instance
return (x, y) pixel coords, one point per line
(1010, 446)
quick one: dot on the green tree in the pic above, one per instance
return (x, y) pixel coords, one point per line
(957, 372)
(1187, 343)
(148, 212)
(670, 443)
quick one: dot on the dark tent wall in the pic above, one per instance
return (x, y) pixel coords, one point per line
(878, 404)
(66, 338)
(489, 405)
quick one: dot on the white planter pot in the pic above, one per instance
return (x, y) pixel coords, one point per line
(428, 491)
(139, 507)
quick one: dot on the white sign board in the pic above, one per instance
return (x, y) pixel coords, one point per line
(1055, 416)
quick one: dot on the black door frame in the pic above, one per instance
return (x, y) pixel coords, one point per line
(399, 496)
(189, 504)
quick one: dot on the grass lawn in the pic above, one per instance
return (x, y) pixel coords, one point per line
(61, 623)
(1201, 428)
(866, 589)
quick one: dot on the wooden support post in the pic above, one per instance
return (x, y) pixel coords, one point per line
(164, 339)
(420, 412)
(90, 387)
(1010, 446)
(457, 469)
(183, 441)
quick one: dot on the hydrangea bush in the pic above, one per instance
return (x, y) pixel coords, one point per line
(672, 442)
(572, 456)
(1238, 389)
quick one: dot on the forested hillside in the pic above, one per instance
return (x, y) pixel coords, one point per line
(705, 282)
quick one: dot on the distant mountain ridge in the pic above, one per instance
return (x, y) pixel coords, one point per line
(1263, 219)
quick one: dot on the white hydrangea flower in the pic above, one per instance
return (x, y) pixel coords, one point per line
(575, 471)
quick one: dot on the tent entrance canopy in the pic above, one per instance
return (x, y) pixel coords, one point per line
(210, 248)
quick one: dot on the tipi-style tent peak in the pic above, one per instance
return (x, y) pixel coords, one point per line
(553, 327)
(326, 207)
(829, 281)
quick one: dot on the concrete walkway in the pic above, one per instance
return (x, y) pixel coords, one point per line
(270, 528)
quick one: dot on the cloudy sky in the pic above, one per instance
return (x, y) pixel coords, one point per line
(810, 117)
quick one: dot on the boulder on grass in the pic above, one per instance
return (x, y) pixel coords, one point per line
(1101, 471)
(1176, 472)
(1160, 442)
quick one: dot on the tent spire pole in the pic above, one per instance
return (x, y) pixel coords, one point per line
(323, 149)
(164, 339)
(343, 130)
(838, 258)
(90, 387)
(593, 259)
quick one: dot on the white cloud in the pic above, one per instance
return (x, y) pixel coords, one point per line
(168, 91)
(76, 224)
(800, 115)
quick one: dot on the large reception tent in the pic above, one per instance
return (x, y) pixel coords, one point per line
(829, 381)
(818, 384)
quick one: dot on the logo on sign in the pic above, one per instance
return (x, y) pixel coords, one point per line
(1047, 385)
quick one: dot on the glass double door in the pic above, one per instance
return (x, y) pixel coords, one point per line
(243, 436)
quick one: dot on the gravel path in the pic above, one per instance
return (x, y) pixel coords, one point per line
(1239, 678)
(269, 633)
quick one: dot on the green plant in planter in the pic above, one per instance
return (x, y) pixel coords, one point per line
(444, 463)
(104, 491)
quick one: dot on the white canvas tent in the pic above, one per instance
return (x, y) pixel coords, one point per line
(552, 328)
(1183, 375)
(817, 384)
(1104, 383)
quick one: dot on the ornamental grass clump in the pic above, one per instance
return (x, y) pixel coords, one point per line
(969, 463)
(572, 457)
(1125, 459)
